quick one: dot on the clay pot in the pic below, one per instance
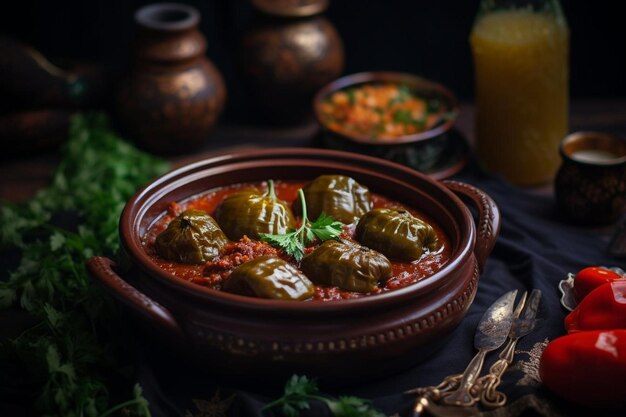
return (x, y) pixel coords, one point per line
(590, 185)
(290, 8)
(174, 95)
(284, 61)
(341, 341)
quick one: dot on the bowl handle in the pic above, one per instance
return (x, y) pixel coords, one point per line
(488, 218)
(101, 270)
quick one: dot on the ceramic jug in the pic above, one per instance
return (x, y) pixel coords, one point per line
(286, 54)
(173, 95)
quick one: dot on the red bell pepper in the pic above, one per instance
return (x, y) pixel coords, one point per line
(587, 279)
(587, 368)
(603, 308)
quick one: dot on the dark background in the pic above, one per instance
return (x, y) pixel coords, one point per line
(429, 38)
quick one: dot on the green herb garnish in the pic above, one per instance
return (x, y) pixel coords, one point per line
(76, 345)
(404, 116)
(351, 92)
(293, 242)
(404, 93)
(300, 390)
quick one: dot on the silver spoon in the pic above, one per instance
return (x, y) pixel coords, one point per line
(493, 329)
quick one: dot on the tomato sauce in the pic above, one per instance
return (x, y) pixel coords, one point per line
(214, 272)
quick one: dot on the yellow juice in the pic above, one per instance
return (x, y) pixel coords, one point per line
(521, 70)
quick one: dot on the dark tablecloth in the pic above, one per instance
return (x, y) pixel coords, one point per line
(535, 249)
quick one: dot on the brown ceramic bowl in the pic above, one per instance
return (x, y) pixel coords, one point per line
(425, 151)
(338, 341)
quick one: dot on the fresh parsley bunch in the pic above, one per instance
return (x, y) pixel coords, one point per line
(70, 351)
(300, 390)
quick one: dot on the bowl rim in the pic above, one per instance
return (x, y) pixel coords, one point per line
(148, 195)
(394, 77)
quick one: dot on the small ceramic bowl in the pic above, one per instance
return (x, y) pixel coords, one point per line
(423, 150)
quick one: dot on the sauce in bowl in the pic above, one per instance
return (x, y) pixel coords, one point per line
(212, 273)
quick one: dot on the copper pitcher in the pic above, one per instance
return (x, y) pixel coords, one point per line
(173, 96)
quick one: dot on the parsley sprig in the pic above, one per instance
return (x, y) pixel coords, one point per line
(404, 93)
(294, 241)
(77, 339)
(300, 390)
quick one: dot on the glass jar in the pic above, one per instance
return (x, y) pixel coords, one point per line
(520, 50)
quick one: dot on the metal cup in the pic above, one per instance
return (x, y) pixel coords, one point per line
(590, 186)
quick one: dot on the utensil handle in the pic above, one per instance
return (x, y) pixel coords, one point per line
(490, 397)
(102, 271)
(420, 407)
(462, 396)
(488, 218)
(450, 383)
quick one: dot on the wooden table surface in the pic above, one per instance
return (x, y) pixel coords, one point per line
(22, 176)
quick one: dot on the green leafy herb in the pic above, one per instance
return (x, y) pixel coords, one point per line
(77, 340)
(351, 92)
(293, 242)
(300, 390)
(404, 93)
(404, 116)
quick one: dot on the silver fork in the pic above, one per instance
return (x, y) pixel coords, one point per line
(492, 331)
(429, 396)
